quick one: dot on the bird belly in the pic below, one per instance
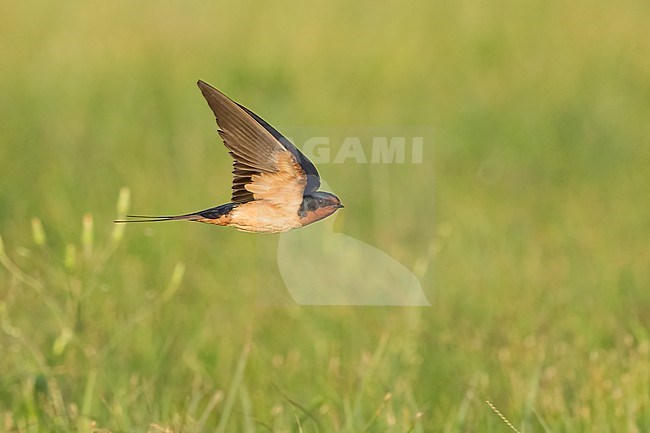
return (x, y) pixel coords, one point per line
(260, 216)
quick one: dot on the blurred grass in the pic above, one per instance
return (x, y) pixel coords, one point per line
(531, 239)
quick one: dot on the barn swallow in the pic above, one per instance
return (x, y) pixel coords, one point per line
(275, 186)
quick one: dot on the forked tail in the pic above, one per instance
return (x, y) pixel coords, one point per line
(212, 213)
(153, 219)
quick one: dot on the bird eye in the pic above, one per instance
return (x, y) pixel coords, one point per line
(320, 201)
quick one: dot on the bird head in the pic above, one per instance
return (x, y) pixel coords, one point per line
(317, 206)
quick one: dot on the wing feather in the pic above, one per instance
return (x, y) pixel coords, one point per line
(266, 165)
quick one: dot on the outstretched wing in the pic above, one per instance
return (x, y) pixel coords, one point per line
(266, 165)
(313, 178)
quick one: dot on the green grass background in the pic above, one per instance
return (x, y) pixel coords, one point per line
(528, 222)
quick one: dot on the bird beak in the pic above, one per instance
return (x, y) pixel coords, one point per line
(339, 206)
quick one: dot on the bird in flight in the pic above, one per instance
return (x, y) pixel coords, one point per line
(275, 186)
